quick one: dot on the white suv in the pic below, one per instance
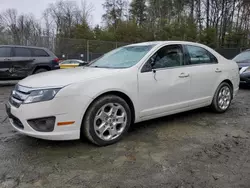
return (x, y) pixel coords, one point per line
(127, 85)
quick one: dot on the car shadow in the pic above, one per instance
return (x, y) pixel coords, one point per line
(163, 121)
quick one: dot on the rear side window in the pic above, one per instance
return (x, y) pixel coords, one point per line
(199, 55)
(39, 53)
(22, 52)
(5, 51)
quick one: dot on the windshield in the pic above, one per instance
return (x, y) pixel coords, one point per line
(123, 57)
(242, 56)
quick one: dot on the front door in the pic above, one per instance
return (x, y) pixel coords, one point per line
(5, 62)
(164, 83)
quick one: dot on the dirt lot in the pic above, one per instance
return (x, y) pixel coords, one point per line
(193, 149)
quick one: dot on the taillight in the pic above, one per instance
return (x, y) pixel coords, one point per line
(56, 60)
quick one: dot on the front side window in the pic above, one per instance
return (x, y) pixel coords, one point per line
(168, 56)
(123, 57)
(22, 52)
(242, 56)
(5, 52)
(198, 55)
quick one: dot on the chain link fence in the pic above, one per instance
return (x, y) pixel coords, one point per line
(87, 50)
(66, 48)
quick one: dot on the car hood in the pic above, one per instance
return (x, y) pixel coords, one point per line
(60, 78)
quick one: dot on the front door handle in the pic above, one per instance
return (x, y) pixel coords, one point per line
(183, 75)
(218, 70)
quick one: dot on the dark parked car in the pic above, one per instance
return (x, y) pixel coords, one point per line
(243, 60)
(20, 61)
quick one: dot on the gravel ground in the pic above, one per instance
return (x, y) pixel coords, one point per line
(192, 149)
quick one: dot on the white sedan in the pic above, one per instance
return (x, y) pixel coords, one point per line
(130, 84)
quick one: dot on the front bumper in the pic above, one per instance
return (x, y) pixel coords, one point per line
(245, 78)
(64, 109)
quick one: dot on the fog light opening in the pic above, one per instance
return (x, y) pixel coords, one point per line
(43, 124)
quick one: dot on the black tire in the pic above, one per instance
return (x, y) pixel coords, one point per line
(40, 70)
(215, 103)
(87, 128)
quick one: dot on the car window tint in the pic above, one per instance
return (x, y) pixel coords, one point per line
(5, 51)
(198, 55)
(168, 56)
(22, 52)
(39, 53)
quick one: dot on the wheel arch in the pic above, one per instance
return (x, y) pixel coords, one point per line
(41, 67)
(230, 84)
(119, 94)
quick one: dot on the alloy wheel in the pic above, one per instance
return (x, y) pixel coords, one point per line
(110, 121)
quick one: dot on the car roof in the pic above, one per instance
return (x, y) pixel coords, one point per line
(164, 42)
(33, 47)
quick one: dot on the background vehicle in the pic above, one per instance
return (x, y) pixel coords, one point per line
(72, 63)
(20, 61)
(243, 61)
(127, 85)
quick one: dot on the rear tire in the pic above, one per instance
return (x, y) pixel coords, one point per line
(222, 98)
(40, 70)
(107, 120)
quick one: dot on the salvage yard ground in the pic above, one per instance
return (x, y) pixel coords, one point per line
(192, 149)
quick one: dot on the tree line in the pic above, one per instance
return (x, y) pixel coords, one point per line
(217, 23)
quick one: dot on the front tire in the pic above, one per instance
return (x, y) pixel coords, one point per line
(107, 120)
(222, 98)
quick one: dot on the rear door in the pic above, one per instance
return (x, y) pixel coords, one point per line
(41, 57)
(5, 62)
(22, 61)
(204, 71)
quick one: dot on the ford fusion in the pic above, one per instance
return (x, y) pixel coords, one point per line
(130, 84)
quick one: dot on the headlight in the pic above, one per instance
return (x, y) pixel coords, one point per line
(41, 95)
(245, 70)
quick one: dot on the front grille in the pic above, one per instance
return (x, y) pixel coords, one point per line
(18, 95)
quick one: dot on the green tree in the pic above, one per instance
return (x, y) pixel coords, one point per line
(114, 12)
(138, 11)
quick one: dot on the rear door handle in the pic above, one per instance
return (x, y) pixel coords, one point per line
(7, 59)
(218, 70)
(183, 75)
